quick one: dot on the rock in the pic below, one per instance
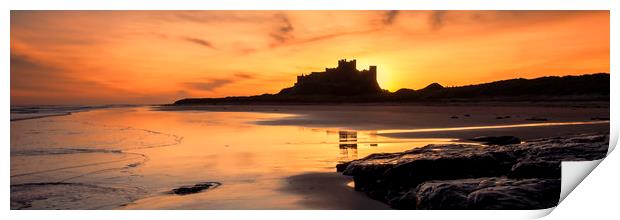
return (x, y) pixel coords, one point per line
(599, 119)
(487, 193)
(536, 168)
(536, 119)
(518, 194)
(377, 173)
(395, 177)
(567, 148)
(342, 166)
(199, 187)
(497, 140)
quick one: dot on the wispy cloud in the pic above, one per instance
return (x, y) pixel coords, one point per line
(284, 30)
(36, 81)
(213, 84)
(209, 85)
(437, 19)
(199, 41)
(244, 75)
(389, 17)
(325, 37)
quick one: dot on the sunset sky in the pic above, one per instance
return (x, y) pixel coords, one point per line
(108, 57)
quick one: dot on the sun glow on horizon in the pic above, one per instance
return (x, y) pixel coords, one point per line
(108, 57)
(385, 73)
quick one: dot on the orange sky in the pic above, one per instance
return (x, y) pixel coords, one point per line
(106, 57)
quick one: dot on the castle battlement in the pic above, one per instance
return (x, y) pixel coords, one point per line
(345, 79)
(348, 68)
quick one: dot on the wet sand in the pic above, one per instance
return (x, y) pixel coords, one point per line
(394, 117)
(244, 148)
(329, 191)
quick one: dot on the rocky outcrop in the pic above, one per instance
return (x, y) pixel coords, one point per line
(497, 140)
(199, 187)
(460, 176)
(483, 193)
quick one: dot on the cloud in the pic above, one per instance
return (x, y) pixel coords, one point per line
(205, 17)
(209, 85)
(284, 38)
(437, 19)
(37, 81)
(27, 73)
(199, 42)
(244, 75)
(213, 84)
(283, 32)
(389, 17)
(326, 37)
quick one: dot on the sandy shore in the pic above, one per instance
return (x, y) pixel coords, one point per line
(246, 151)
(384, 117)
(329, 191)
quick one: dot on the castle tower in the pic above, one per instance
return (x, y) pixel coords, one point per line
(347, 65)
(372, 70)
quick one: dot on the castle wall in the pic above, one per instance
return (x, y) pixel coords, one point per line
(344, 79)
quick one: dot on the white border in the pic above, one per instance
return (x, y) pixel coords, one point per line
(606, 169)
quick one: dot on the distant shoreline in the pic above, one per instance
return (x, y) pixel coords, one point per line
(40, 116)
(557, 103)
(29, 112)
(362, 100)
(388, 117)
(587, 87)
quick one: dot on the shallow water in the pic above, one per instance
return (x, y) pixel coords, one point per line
(110, 157)
(133, 157)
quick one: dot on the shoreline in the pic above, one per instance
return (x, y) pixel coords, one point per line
(485, 102)
(329, 191)
(40, 116)
(381, 118)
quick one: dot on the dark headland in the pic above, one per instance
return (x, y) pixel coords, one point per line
(347, 84)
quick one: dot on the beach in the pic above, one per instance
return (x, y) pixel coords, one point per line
(264, 156)
(403, 117)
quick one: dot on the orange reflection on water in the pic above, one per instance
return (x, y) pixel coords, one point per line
(391, 131)
(147, 153)
(183, 148)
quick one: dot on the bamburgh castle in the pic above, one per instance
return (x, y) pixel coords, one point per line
(343, 80)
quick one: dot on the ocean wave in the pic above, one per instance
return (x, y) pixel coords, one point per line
(62, 195)
(27, 112)
(57, 151)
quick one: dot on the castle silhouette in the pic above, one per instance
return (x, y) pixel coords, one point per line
(346, 84)
(344, 80)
